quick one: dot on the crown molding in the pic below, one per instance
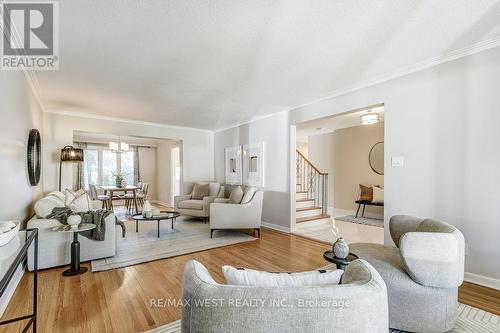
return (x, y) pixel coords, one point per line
(225, 128)
(431, 62)
(123, 120)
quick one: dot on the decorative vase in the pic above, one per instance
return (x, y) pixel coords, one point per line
(147, 209)
(118, 182)
(340, 248)
(124, 183)
(74, 220)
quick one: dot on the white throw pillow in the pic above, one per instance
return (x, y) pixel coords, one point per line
(78, 202)
(58, 195)
(236, 195)
(378, 195)
(249, 193)
(44, 206)
(250, 277)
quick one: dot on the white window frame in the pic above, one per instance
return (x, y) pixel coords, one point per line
(100, 167)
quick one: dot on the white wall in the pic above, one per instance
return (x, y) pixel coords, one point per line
(164, 171)
(20, 113)
(445, 121)
(198, 148)
(274, 132)
(147, 169)
(320, 150)
(303, 148)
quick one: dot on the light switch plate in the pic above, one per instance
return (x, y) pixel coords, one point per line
(398, 161)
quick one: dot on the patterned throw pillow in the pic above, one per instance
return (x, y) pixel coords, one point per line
(78, 202)
(200, 191)
(366, 193)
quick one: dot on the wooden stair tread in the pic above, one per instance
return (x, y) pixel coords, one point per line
(303, 200)
(306, 208)
(300, 191)
(312, 218)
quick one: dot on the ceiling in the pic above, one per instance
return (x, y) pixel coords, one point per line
(213, 64)
(331, 124)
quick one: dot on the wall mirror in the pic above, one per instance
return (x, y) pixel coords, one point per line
(376, 158)
(33, 157)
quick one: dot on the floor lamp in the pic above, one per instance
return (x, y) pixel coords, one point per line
(69, 154)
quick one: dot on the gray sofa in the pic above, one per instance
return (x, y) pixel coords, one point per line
(358, 305)
(422, 273)
(185, 205)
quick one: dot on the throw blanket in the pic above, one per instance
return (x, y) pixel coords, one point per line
(96, 217)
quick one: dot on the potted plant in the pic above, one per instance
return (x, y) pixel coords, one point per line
(118, 179)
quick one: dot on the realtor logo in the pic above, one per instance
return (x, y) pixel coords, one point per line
(30, 35)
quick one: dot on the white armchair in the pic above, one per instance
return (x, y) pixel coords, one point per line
(225, 215)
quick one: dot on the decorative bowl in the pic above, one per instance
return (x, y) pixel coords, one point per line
(8, 230)
(74, 220)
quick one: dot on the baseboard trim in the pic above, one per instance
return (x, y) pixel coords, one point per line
(482, 280)
(276, 227)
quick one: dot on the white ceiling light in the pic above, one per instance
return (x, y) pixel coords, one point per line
(119, 147)
(370, 118)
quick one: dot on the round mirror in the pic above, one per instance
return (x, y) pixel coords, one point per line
(34, 158)
(376, 158)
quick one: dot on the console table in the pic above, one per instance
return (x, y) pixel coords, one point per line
(9, 266)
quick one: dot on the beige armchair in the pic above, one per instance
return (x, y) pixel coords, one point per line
(185, 205)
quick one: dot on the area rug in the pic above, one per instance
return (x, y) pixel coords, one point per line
(188, 236)
(470, 320)
(362, 220)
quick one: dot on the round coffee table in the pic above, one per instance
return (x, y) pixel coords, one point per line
(75, 268)
(163, 216)
(340, 263)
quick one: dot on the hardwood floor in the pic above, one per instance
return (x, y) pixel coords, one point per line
(119, 300)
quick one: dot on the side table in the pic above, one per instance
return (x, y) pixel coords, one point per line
(75, 267)
(340, 263)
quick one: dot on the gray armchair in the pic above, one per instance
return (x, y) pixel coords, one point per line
(422, 273)
(185, 205)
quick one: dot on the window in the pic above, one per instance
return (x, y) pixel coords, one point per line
(102, 163)
(127, 166)
(108, 167)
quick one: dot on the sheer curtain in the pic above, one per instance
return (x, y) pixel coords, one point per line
(137, 174)
(82, 177)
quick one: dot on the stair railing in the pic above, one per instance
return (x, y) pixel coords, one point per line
(312, 182)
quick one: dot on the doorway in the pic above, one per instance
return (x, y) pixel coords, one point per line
(349, 149)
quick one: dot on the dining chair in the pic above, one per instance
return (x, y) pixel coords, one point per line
(143, 195)
(101, 197)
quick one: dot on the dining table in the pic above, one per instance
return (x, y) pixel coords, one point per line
(125, 189)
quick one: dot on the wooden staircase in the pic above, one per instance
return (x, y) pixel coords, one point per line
(311, 191)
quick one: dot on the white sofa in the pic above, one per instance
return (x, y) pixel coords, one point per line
(225, 215)
(358, 304)
(54, 248)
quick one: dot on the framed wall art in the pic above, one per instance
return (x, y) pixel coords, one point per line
(253, 164)
(233, 165)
